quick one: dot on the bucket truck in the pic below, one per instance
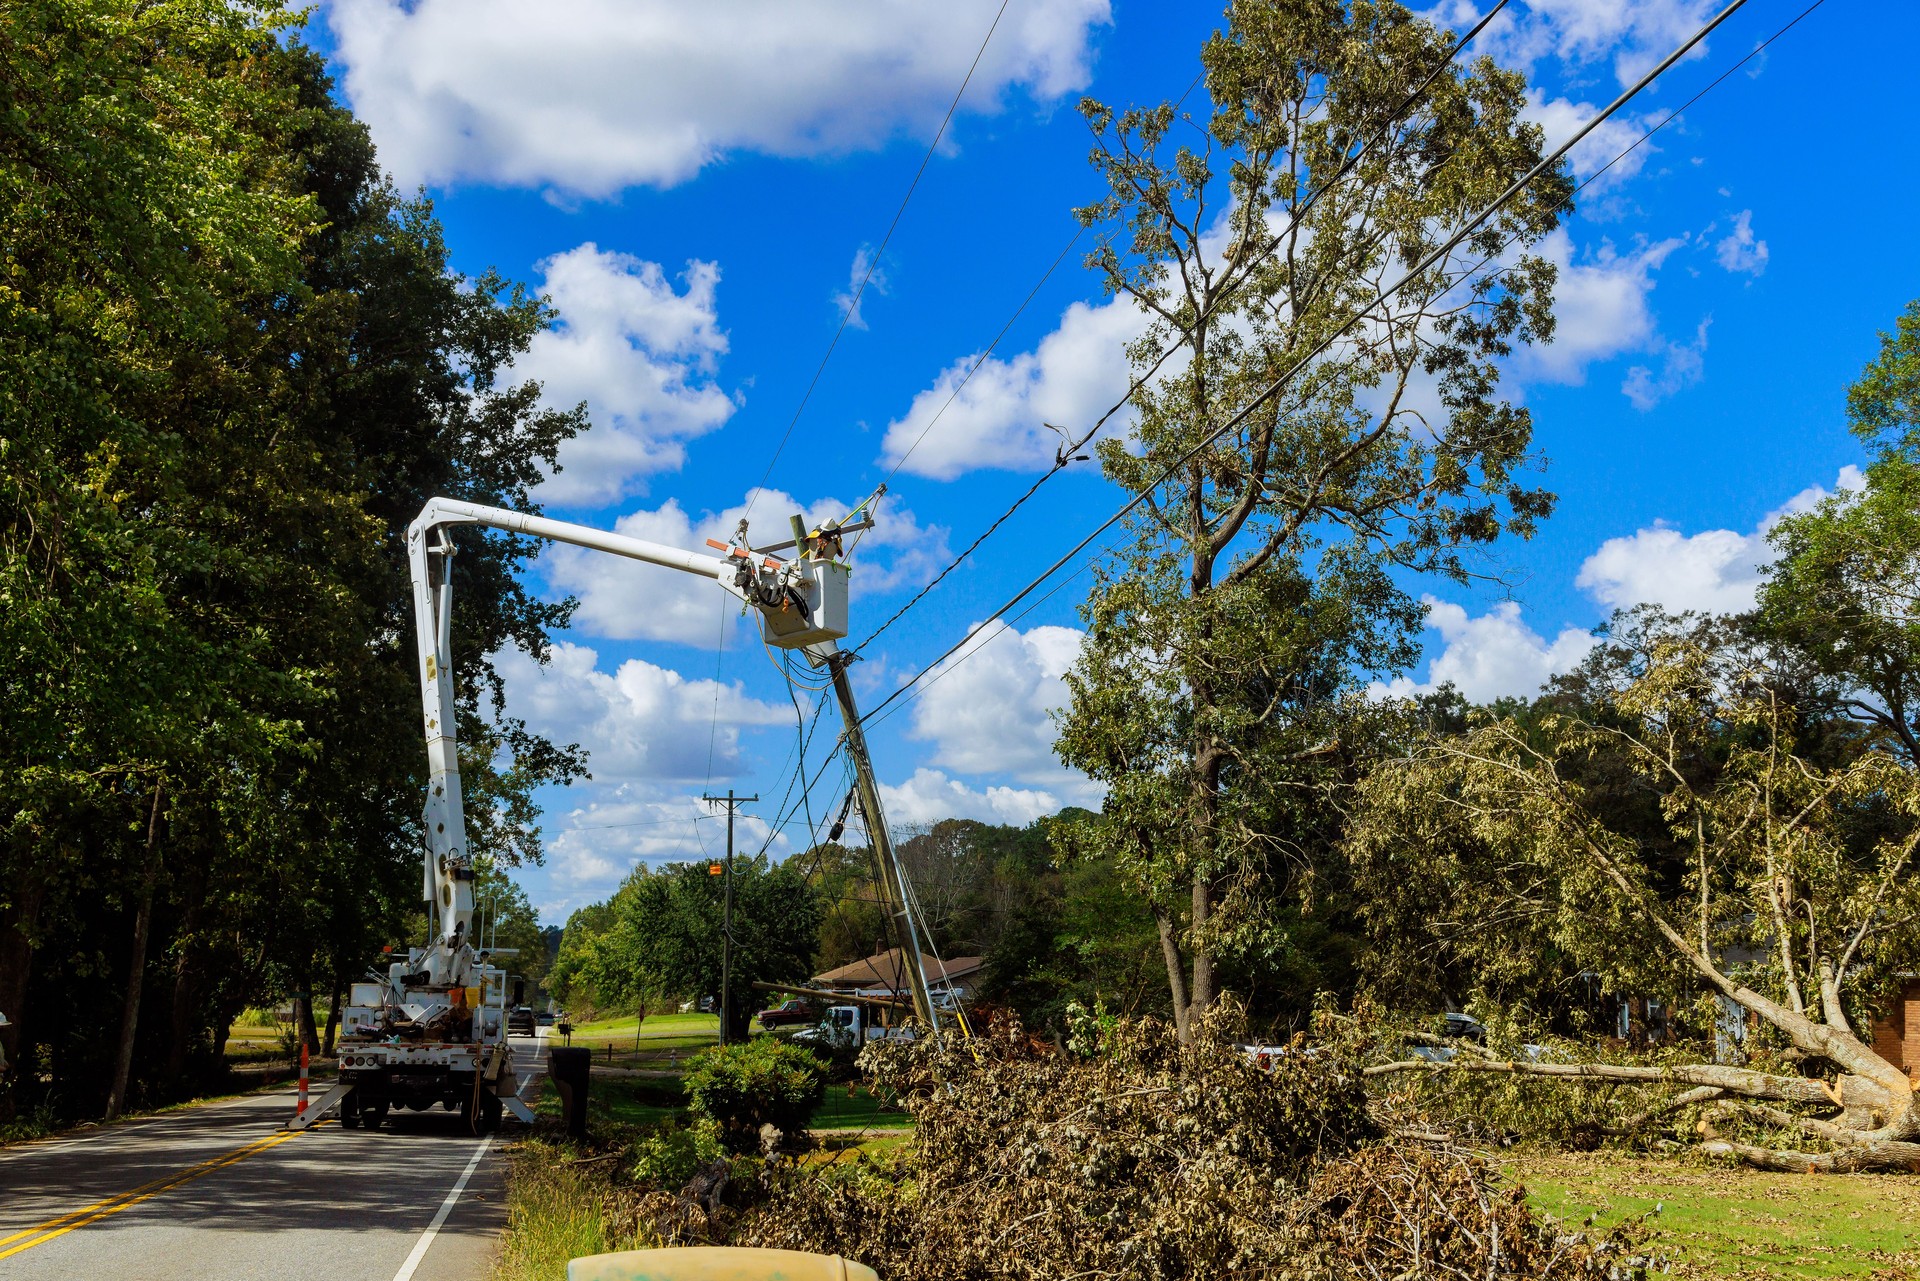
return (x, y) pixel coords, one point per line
(433, 1029)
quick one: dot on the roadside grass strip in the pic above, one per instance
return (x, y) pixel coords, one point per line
(59, 1226)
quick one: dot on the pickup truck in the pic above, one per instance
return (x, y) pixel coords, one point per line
(789, 1012)
(846, 1027)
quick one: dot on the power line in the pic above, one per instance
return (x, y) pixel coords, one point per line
(1069, 451)
(649, 822)
(1011, 625)
(1017, 312)
(1439, 254)
(982, 358)
(853, 304)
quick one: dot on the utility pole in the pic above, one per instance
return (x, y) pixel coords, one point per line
(893, 886)
(732, 803)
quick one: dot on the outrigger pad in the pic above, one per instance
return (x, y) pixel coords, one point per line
(325, 1104)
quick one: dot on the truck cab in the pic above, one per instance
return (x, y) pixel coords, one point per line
(848, 1027)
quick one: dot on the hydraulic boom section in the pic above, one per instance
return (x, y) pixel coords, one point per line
(801, 602)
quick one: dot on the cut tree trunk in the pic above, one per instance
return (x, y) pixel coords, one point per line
(1876, 1128)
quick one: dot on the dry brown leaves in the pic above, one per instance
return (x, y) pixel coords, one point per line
(1146, 1159)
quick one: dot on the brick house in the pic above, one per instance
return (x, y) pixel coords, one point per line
(1896, 1038)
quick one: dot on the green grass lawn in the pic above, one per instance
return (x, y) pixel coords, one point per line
(693, 1027)
(841, 1111)
(1725, 1222)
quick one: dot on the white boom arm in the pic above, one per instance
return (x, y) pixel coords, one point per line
(802, 603)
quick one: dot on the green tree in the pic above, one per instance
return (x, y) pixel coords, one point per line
(232, 365)
(1846, 590)
(852, 924)
(576, 978)
(1257, 577)
(667, 934)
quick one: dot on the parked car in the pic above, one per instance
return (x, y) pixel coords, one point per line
(706, 1005)
(544, 1018)
(520, 1021)
(798, 1010)
(1465, 1029)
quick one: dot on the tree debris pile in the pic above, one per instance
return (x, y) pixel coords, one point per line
(1144, 1158)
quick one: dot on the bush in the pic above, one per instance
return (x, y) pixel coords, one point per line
(763, 1082)
(670, 1156)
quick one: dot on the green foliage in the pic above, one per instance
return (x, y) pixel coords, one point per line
(1155, 1160)
(661, 934)
(557, 1211)
(670, 1156)
(233, 363)
(1668, 830)
(765, 1081)
(1256, 586)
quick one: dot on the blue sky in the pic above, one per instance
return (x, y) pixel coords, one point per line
(694, 187)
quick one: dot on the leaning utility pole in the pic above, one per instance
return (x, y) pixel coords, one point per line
(893, 887)
(732, 803)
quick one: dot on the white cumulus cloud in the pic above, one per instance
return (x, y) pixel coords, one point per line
(931, 795)
(1561, 118)
(626, 600)
(638, 722)
(988, 709)
(998, 418)
(593, 845)
(1494, 655)
(1600, 307)
(641, 354)
(1628, 36)
(1716, 570)
(1499, 653)
(587, 97)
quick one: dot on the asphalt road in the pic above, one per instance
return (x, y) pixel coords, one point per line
(221, 1192)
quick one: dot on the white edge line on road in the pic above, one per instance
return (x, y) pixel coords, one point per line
(421, 1246)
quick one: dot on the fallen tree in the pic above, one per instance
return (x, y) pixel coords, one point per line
(1779, 877)
(1133, 1155)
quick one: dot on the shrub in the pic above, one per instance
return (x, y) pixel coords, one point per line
(670, 1156)
(763, 1082)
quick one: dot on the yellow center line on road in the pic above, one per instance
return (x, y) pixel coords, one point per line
(133, 1191)
(65, 1223)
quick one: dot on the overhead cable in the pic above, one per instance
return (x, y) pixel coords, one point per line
(1545, 164)
(1069, 452)
(853, 304)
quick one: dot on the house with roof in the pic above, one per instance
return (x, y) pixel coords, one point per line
(884, 976)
